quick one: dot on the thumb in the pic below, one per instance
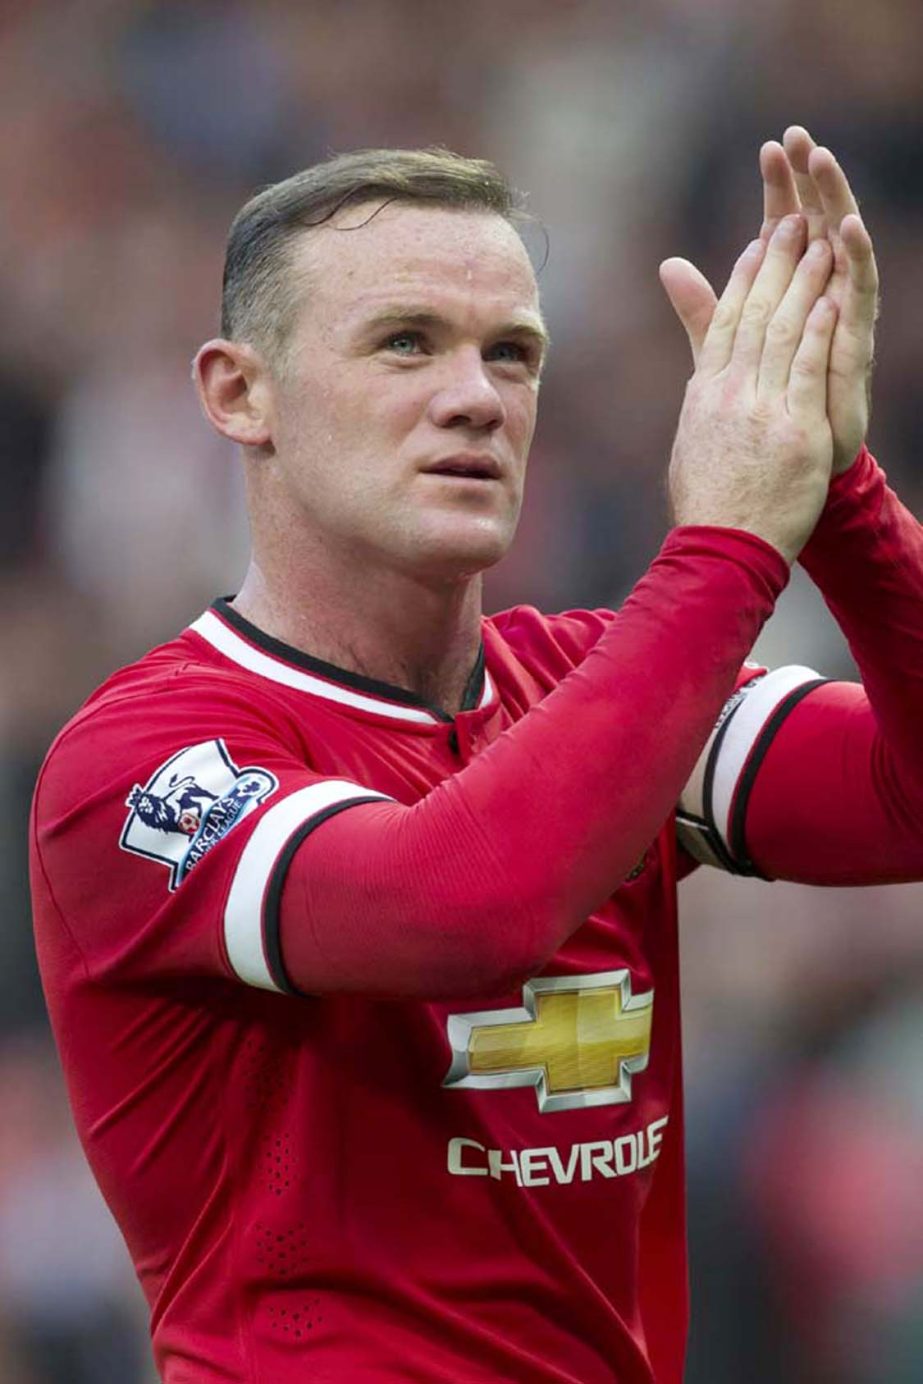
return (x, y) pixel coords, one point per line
(692, 297)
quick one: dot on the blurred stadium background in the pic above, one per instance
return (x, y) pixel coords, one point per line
(131, 133)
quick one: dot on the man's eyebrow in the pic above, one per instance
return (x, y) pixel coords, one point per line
(398, 316)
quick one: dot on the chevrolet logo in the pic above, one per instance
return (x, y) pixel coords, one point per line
(577, 1039)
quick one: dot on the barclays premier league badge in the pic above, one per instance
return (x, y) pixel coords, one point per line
(189, 804)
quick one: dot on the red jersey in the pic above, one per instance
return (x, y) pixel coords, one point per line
(374, 1189)
(483, 1188)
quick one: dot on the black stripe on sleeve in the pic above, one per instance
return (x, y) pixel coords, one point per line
(713, 840)
(694, 832)
(271, 940)
(708, 779)
(737, 825)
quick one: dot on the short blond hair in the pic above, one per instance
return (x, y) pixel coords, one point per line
(258, 300)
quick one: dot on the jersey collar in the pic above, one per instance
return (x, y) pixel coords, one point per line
(244, 644)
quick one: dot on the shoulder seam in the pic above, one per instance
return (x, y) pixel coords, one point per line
(89, 710)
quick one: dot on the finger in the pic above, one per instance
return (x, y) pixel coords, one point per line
(798, 145)
(855, 340)
(786, 328)
(832, 187)
(807, 383)
(782, 255)
(862, 298)
(780, 195)
(716, 349)
(693, 300)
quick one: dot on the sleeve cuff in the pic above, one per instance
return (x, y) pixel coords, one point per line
(747, 549)
(851, 494)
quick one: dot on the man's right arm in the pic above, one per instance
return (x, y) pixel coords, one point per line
(475, 887)
(180, 830)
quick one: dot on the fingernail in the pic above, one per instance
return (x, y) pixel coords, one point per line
(817, 248)
(788, 227)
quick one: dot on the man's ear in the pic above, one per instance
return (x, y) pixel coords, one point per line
(235, 391)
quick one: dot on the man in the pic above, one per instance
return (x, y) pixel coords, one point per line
(356, 911)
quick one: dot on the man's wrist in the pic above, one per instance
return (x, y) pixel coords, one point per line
(853, 494)
(849, 474)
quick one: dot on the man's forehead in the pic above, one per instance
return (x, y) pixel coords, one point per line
(376, 254)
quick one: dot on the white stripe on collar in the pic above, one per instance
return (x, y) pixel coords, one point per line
(228, 642)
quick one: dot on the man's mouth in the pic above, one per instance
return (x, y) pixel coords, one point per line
(466, 466)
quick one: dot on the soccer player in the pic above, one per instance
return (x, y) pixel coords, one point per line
(355, 909)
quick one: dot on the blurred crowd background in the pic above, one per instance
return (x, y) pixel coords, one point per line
(131, 132)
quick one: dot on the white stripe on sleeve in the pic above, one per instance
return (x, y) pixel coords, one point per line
(711, 802)
(743, 731)
(243, 913)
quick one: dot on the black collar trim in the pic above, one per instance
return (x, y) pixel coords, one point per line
(474, 688)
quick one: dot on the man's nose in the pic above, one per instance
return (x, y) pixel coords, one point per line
(467, 396)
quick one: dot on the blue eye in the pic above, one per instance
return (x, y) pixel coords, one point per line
(403, 343)
(508, 351)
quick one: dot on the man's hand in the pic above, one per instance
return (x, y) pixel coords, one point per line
(754, 447)
(797, 175)
(800, 177)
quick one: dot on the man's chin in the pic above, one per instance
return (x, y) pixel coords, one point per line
(459, 553)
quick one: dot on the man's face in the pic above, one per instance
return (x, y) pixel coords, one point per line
(404, 408)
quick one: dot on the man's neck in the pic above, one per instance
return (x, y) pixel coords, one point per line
(387, 626)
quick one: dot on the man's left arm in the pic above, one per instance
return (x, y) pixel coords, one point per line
(838, 798)
(822, 782)
(804, 779)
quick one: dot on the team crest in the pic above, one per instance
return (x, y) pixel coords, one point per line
(189, 804)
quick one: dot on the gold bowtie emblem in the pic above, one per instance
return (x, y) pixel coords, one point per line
(577, 1039)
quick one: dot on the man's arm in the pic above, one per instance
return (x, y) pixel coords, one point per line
(822, 782)
(838, 798)
(827, 788)
(475, 887)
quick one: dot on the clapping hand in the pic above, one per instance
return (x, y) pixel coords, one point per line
(754, 447)
(799, 177)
